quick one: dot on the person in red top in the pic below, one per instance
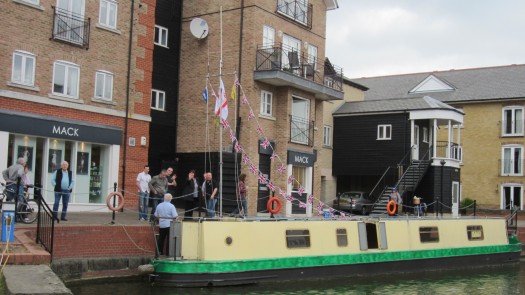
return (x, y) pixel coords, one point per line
(242, 200)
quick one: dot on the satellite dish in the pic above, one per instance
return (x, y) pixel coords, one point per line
(199, 28)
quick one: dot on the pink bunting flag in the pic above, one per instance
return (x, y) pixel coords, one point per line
(259, 130)
(225, 124)
(237, 147)
(265, 143)
(244, 99)
(262, 178)
(300, 190)
(272, 158)
(290, 179)
(253, 169)
(281, 169)
(271, 186)
(245, 159)
(289, 198)
(251, 115)
(302, 205)
(310, 199)
(342, 215)
(232, 136)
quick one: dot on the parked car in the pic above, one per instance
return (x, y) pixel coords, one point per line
(353, 202)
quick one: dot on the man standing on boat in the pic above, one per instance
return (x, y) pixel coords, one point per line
(165, 213)
(242, 201)
(191, 194)
(210, 189)
(143, 180)
(158, 186)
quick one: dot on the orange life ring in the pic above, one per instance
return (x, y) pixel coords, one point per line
(120, 201)
(270, 207)
(391, 207)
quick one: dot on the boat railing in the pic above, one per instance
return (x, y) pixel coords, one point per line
(512, 222)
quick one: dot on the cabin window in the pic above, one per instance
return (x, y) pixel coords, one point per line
(475, 232)
(429, 234)
(298, 238)
(384, 132)
(342, 238)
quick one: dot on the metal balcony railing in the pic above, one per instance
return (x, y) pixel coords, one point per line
(298, 10)
(511, 128)
(301, 131)
(70, 27)
(279, 57)
(510, 167)
(454, 151)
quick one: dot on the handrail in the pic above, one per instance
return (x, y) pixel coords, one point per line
(512, 221)
(378, 182)
(45, 229)
(403, 176)
(407, 153)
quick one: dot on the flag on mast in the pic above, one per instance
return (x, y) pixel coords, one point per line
(205, 94)
(221, 104)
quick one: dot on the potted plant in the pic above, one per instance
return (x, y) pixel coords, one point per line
(466, 205)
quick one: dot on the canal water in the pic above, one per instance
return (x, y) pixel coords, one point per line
(506, 280)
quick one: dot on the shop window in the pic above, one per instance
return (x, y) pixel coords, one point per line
(108, 13)
(66, 79)
(104, 85)
(299, 174)
(429, 234)
(23, 68)
(298, 238)
(342, 238)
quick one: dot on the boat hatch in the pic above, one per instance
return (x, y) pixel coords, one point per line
(369, 238)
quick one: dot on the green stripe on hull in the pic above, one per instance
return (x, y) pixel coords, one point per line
(232, 266)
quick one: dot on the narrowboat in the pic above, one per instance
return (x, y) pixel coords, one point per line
(241, 251)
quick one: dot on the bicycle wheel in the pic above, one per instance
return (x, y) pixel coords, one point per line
(29, 212)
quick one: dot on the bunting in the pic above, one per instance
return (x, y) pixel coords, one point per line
(281, 169)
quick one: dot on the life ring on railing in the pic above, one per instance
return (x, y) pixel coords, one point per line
(270, 205)
(391, 207)
(120, 201)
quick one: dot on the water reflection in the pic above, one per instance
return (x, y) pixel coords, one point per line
(488, 280)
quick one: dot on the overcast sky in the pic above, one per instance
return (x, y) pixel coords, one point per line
(384, 37)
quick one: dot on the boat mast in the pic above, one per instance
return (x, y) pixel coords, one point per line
(220, 115)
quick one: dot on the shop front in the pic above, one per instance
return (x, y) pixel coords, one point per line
(301, 166)
(92, 151)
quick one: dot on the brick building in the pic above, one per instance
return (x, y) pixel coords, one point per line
(75, 88)
(276, 49)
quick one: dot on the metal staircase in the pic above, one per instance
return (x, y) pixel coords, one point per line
(407, 182)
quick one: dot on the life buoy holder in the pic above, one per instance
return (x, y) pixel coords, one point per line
(120, 201)
(277, 205)
(391, 207)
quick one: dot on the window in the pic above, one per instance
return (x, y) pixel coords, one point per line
(104, 85)
(266, 103)
(34, 2)
(23, 68)
(298, 238)
(312, 56)
(158, 100)
(327, 135)
(66, 79)
(429, 234)
(475, 232)
(425, 134)
(384, 132)
(299, 123)
(512, 196)
(268, 36)
(342, 238)
(512, 121)
(299, 174)
(512, 162)
(108, 13)
(294, 9)
(161, 36)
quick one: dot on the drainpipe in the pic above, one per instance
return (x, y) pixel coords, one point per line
(237, 111)
(126, 120)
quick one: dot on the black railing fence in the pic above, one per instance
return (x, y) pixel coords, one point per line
(301, 130)
(298, 10)
(70, 27)
(45, 223)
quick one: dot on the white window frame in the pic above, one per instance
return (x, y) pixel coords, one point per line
(512, 160)
(268, 36)
(327, 135)
(382, 132)
(312, 55)
(157, 95)
(266, 103)
(161, 31)
(25, 56)
(33, 2)
(106, 22)
(105, 75)
(517, 124)
(425, 134)
(68, 67)
(512, 186)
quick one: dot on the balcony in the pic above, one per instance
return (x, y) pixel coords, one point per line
(301, 131)
(281, 65)
(70, 27)
(297, 10)
(444, 151)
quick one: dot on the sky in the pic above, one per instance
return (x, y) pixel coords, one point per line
(370, 38)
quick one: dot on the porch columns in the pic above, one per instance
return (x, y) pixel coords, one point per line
(434, 140)
(449, 138)
(412, 124)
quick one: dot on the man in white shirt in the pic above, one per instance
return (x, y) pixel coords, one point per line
(142, 183)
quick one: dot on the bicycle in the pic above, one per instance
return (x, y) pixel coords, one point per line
(28, 211)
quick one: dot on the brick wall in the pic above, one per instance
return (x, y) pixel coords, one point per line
(103, 241)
